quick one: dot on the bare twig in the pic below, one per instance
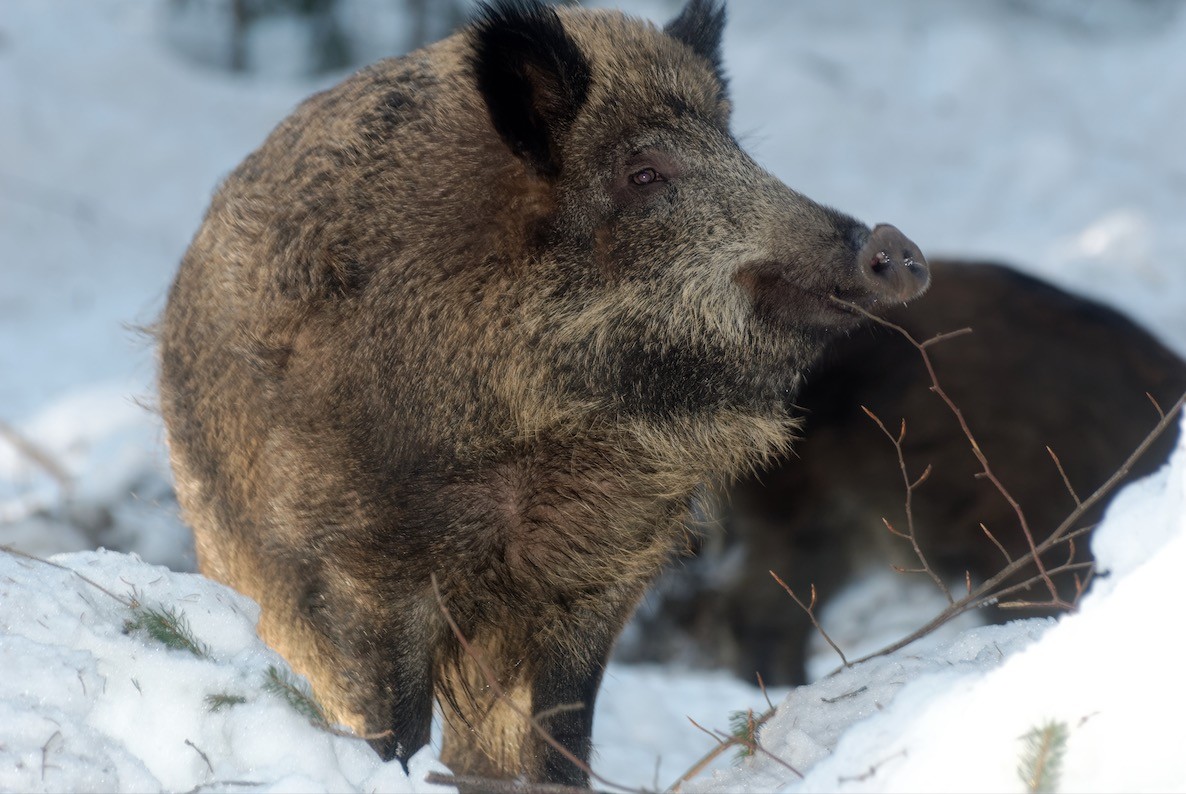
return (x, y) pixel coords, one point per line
(910, 488)
(205, 757)
(996, 543)
(132, 602)
(727, 741)
(846, 695)
(752, 745)
(213, 783)
(37, 455)
(810, 610)
(937, 338)
(871, 771)
(45, 752)
(762, 686)
(1156, 405)
(723, 744)
(1065, 480)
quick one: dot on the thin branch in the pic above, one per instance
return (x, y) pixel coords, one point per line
(871, 771)
(752, 746)
(213, 783)
(131, 603)
(810, 610)
(45, 753)
(1156, 405)
(944, 337)
(205, 757)
(37, 454)
(1065, 480)
(723, 744)
(996, 543)
(762, 686)
(910, 486)
(1081, 585)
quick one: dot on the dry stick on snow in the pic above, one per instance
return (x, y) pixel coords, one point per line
(45, 753)
(910, 488)
(727, 741)
(993, 589)
(871, 771)
(131, 603)
(497, 688)
(722, 745)
(205, 757)
(754, 746)
(225, 783)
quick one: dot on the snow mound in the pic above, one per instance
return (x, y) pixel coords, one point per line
(90, 703)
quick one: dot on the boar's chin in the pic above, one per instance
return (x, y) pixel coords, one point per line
(783, 304)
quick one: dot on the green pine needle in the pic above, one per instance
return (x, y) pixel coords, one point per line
(223, 700)
(744, 728)
(167, 626)
(1041, 760)
(283, 683)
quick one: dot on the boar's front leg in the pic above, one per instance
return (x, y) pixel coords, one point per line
(400, 714)
(375, 668)
(563, 694)
(566, 677)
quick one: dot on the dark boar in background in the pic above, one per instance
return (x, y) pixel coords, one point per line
(490, 314)
(1041, 368)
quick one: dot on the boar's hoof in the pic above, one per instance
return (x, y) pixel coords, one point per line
(893, 267)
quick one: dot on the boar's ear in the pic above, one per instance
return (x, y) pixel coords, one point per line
(700, 26)
(532, 76)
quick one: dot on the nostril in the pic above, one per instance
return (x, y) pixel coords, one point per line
(881, 263)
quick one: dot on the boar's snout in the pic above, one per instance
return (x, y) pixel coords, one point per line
(870, 268)
(891, 266)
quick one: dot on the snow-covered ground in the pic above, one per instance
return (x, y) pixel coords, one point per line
(1047, 134)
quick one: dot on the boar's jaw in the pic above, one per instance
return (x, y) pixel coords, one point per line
(886, 269)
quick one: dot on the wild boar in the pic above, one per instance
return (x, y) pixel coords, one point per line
(482, 319)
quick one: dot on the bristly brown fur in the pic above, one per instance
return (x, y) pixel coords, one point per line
(476, 313)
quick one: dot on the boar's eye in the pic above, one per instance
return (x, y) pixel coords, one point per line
(643, 176)
(646, 176)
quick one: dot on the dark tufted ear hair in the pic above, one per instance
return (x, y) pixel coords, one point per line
(700, 26)
(532, 76)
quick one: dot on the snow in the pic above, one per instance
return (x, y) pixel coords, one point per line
(1045, 134)
(88, 705)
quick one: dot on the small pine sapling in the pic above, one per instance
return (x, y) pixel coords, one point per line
(1041, 759)
(283, 683)
(167, 626)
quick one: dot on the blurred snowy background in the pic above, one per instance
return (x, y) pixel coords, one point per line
(1044, 133)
